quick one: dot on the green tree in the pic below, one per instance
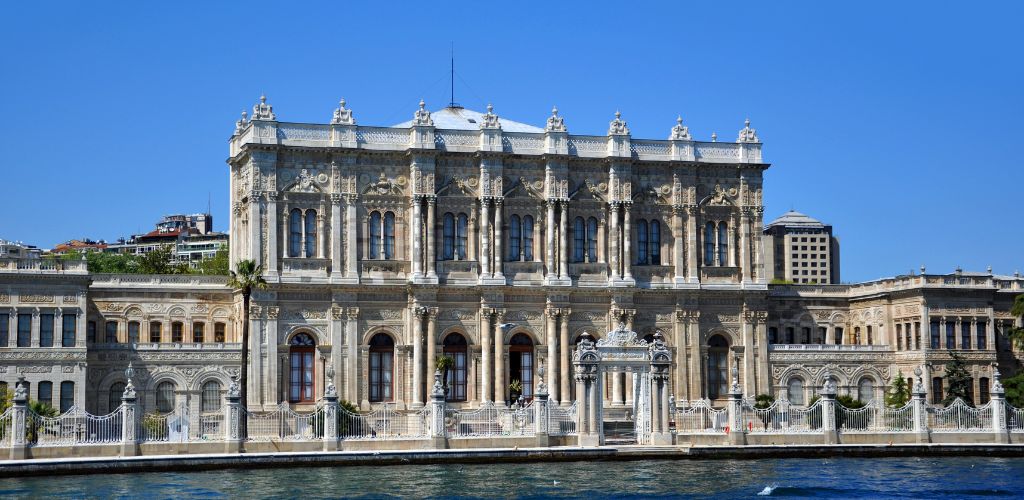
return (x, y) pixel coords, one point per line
(247, 276)
(899, 392)
(1014, 387)
(157, 261)
(1015, 334)
(780, 281)
(958, 381)
(218, 264)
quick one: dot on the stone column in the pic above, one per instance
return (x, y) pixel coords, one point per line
(691, 244)
(485, 355)
(563, 243)
(234, 434)
(919, 411)
(731, 242)
(972, 334)
(618, 380)
(942, 333)
(828, 410)
(352, 238)
(352, 355)
(499, 360)
(678, 260)
(563, 365)
(745, 244)
(336, 252)
(417, 356)
(999, 425)
(553, 365)
(254, 228)
(758, 266)
(431, 235)
(540, 408)
(549, 238)
(485, 236)
(19, 419)
(431, 339)
(627, 242)
(436, 429)
(613, 241)
(499, 221)
(417, 237)
(330, 415)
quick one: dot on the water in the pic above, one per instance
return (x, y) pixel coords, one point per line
(911, 477)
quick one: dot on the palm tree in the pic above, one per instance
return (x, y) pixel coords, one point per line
(247, 276)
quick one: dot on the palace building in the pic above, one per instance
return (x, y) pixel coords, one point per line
(499, 244)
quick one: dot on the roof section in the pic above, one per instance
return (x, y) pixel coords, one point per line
(793, 218)
(459, 118)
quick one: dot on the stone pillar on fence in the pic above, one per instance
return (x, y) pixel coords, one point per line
(541, 410)
(999, 428)
(233, 439)
(661, 368)
(920, 413)
(129, 417)
(19, 420)
(436, 430)
(829, 409)
(330, 412)
(589, 427)
(736, 433)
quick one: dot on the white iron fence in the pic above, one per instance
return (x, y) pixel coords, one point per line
(872, 418)
(562, 421)
(383, 423)
(782, 418)
(491, 420)
(74, 427)
(284, 424)
(5, 428)
(960, 417)
(1014, 418)
(699, 417)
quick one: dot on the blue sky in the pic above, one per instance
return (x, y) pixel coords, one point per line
(897, 124)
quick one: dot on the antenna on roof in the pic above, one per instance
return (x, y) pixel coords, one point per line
(452, 103)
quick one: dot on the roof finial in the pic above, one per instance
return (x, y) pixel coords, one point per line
(747, 134)
(490, 120)
(555, 123)
(422, 116)
(242, 122)
(714, 137)
(342, 115)
(263, 111)
(618, 126)
(680, 132)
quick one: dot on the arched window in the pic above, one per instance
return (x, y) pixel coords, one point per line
(456, 347)
(374, 235)
(45, 393)
(641, 242)
(528, 238)
(718, 367)
(294, 232)
(389, 235)
(448, 237)
(795, 391)
(865, 390)
(579, 239)
(723, 244)
(211, 397)
(520, 363)
(114, 396)
(515, 238)
(709, 244)
(133, 332)
(655, 243)
(591, 240)
(165, 397)
(461, 232)
(310, 233)
(382, 355)
(301, 368)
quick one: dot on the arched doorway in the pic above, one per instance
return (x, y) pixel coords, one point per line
(382, 356)
(520, 364)
(718, 367)
(455, 345)
(301, 368)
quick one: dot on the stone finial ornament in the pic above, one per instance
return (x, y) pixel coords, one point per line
(747, 134)
(242, 123)
(342, 115)
(918, 385)
(618, 125)
(263, 111)
(331, 391)
(490, 120)
(680, 132)
(555, 123)
(438, 389)
(422, 117)
(829, 387)
(129, 387)
(234, 390)
(714, 137)
(997, 385)
(20, 391)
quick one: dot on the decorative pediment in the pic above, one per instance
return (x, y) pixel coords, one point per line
(651, 194)
(384, 186)
(524, 188)
(307, 182)
(588, 190)
(720, 197)
(459, 187)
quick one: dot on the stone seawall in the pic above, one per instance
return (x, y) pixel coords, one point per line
(164, 463)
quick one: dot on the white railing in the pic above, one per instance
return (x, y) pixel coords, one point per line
(783, 418)
(210, 427)
(650, 148)
(562, 421)
(170, 427)
(517, 142)
(717, 151)
(303, 132)
(457, 138)
(828, 347)
(699, 417)
(872, 418)
(76, 426)
(1014, 419)
(960, 417)
(5, 428)
(491, 420)
(383, 135)
(284, 424)
(588, 144)
(383, 423)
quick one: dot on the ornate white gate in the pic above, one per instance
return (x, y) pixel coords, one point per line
(648, 363)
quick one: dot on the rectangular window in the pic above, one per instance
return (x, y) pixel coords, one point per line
(177, 332)
(67, 333)
(917, 334)
(950, 337)
(133, 332)
(937, 390)
(198, 330)
(983, 385)
(90, 331)
(45, 394)
(982, 339)
(24, 330)
(67, 396)
(965, 335)
(935, 335)
(5, 326)
(154, 331)
(218, 332)
(111, 337)
(46, 330)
